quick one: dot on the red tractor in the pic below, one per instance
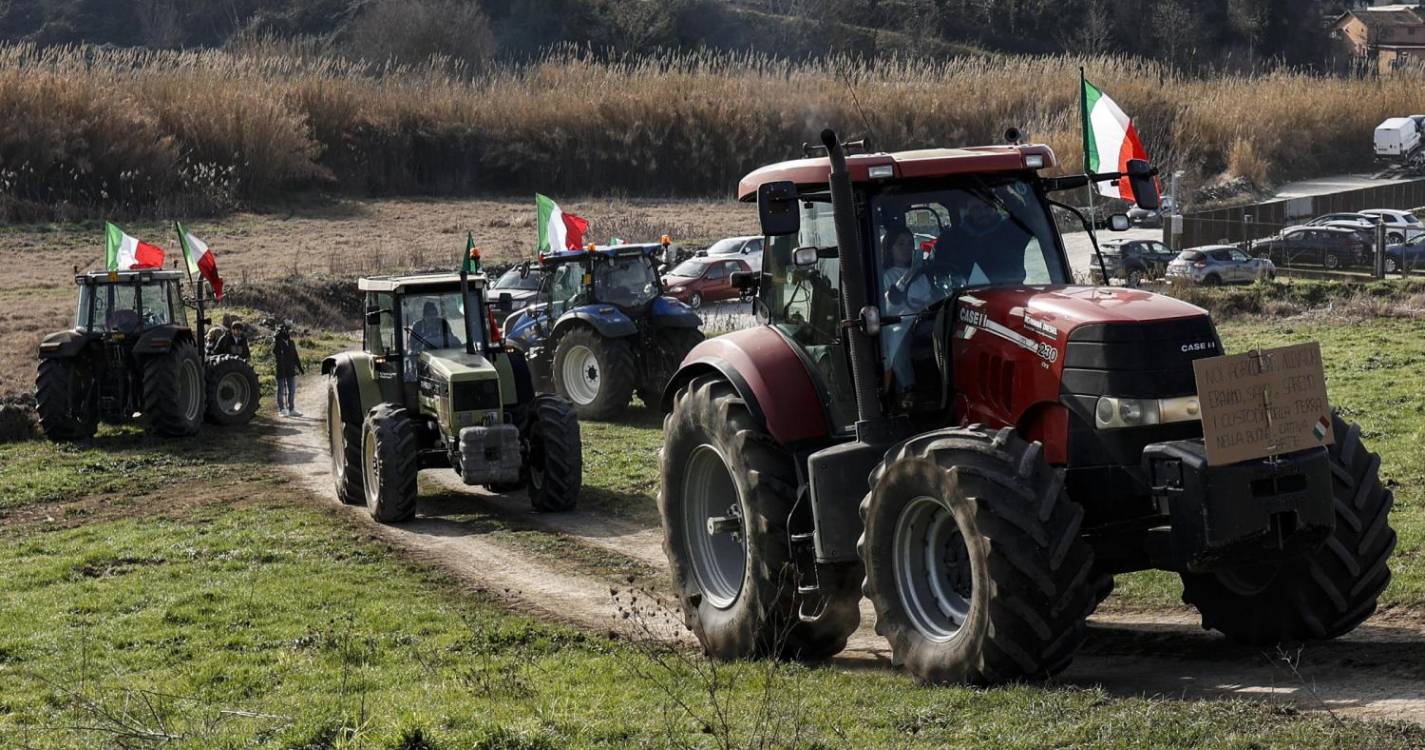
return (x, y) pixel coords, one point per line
(933, 416)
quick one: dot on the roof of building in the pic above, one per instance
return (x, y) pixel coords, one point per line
(938, 162)
(1384, 16)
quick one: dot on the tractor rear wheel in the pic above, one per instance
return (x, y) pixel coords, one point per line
(232, 390)
(594, 372)
(388, 462)
(63, 400)
(173, 391)
(1325, 594)
(554, 463)
(344, 444)
(973, 559)
(727, 491)
(670, 347)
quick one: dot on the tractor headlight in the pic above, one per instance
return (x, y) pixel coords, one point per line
(677, 290)
(1112, 412)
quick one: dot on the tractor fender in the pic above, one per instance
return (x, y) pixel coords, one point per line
(161, 340)
(64, 344)
(608, 320)
(666, 312)
(356, 385)
(769, 376)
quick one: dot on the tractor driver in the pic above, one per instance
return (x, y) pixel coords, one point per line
(432, 331)
(905, 292)
(983, 239)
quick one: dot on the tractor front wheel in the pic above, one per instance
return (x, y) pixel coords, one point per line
(173, 392)
(1325, 594)
(388, 461)
(670, 348)
(232, 390)
(344, 443)
(596, 373)
(973, 559)
(63, 400)
(554, 463)
(727, 491)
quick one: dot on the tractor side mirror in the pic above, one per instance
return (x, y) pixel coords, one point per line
(1145, 188)
(506, 302)
(1119, 223)
(777, 208)
(804, 257)
(524, 270)
(745, 280)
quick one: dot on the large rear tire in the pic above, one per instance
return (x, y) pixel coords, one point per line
(64, 400)
(594, 372)
(388, 461)
(232, 390)
(1325, 594)
(344, 444)
(973, 559)
(727, 491)
(554, 462)
(173, 392)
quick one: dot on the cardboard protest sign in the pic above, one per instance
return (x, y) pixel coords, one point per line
(1263, 403)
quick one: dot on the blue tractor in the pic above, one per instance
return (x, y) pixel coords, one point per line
(600, 330)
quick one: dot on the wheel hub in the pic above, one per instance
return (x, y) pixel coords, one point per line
(713, 526)
(581, 374)
(232, 394)
(934, 575)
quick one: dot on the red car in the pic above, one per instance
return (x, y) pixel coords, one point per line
(700, 280)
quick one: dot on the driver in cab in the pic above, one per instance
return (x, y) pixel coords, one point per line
(432, 331)
(983, 239)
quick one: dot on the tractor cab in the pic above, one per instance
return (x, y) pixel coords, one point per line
(126, 303)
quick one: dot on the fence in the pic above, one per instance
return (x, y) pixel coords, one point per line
(1240, 224)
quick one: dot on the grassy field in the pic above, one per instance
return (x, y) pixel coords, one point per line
(226, 608)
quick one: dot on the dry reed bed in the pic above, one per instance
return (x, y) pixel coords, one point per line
(201, 131)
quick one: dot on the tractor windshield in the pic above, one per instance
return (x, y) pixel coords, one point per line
(626, 282)
(435, 320)
(931, 243)
(126, 307)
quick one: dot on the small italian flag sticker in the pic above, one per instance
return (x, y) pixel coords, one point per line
(1321, 429)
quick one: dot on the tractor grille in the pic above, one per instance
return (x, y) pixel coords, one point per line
(478, 395)
(1138, 360)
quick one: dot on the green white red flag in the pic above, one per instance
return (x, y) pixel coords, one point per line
(200, 260)
(124, 253)
(558, 230)
(1110, 140)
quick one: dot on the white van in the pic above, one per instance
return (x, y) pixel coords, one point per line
(1398, 137)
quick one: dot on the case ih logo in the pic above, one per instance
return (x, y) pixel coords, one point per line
(1201, 346)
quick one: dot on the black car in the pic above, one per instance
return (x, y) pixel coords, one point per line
(1136, 261)
(520, 286)
(1321, 246)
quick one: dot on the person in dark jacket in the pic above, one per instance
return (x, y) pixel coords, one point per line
(234, 342)
(289, 365)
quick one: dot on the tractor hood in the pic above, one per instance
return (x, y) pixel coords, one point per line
(457, 364)
(1067, 307)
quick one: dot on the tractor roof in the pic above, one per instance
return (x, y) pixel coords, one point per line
(608, 251)
(417, 282)
(127, 277)
(935, 162)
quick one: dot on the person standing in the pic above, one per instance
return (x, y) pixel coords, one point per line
(289, 365)
(234, 342)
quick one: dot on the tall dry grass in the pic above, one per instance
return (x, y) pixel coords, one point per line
(125, 129)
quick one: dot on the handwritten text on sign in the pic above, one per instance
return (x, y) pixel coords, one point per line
(1262, 403)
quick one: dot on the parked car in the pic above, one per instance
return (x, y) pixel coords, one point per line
(1351, 219)
(746, 249)
(699, 280)
(1152, 218)
(1400, 226)
(1135, 261)
(1211, 265)
(1325, 246)
(521, 283)
(1409, 255)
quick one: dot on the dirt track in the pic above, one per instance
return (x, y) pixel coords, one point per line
(1378, 672)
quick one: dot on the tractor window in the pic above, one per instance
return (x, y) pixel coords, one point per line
(566, 283)
(434, 320)
(381, 328)
(175, 303)
(109, 307)
(156, 309)
(626, 282)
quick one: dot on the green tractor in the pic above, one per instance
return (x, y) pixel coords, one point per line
(133, 357)
(435, 387)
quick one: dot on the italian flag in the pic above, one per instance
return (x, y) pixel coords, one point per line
(558, 230)
(1110, 140)
(123, 253)
(200, 260)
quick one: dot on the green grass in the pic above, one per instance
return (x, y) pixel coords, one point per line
(308, 635)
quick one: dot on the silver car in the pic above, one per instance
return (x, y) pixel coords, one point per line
(1211, 265)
